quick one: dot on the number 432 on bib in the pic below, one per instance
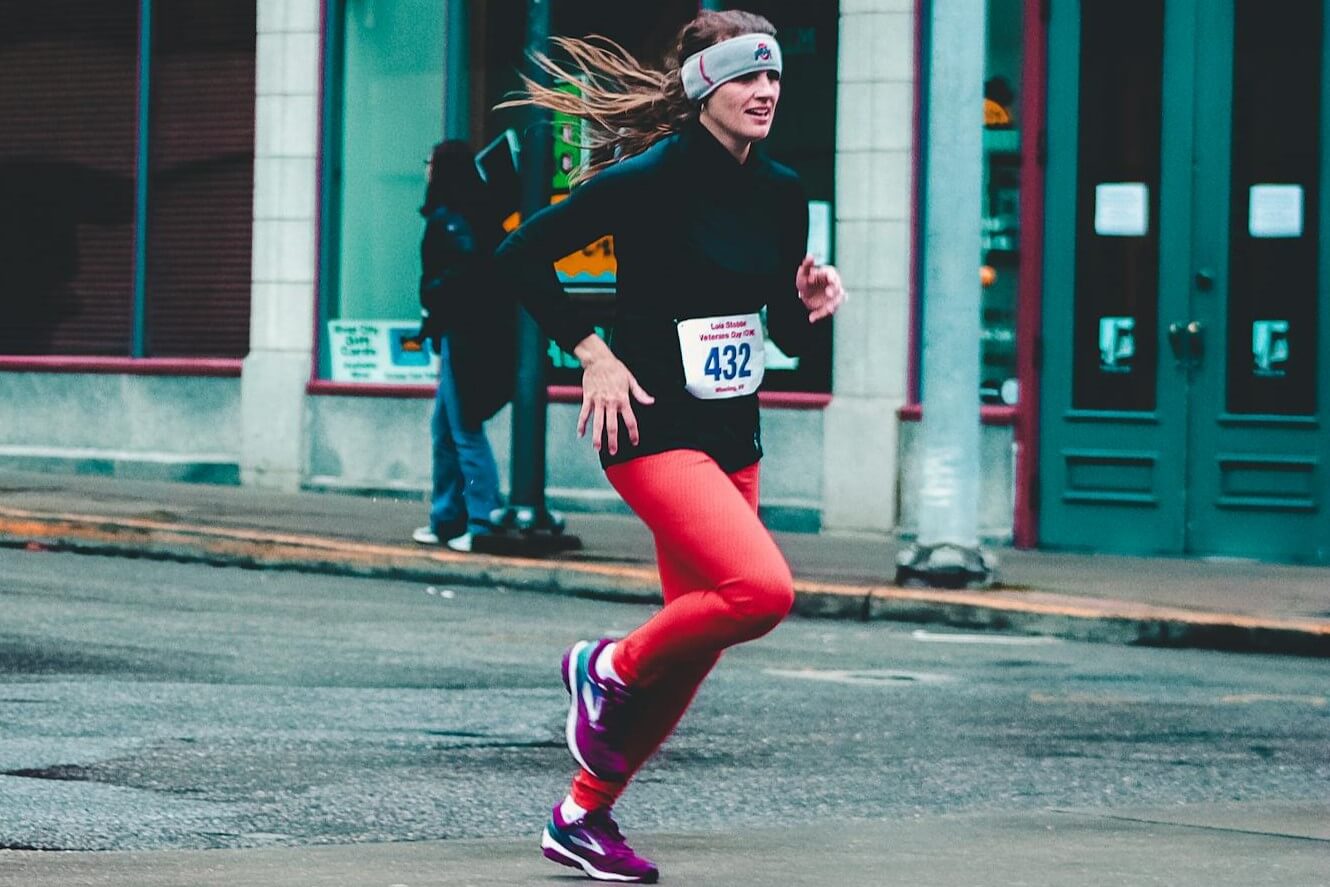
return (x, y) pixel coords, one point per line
(722, 356)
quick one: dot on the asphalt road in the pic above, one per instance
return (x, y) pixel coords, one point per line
(148, 706)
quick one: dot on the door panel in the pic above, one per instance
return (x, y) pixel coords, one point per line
(1184, 396)
(1112, 435)
(1258, 403)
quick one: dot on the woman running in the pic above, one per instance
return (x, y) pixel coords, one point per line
(707, 232)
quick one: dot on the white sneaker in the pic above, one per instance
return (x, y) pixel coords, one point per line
(426, 536)
(461, 543)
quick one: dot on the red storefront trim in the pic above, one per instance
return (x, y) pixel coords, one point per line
(914, 412)
(320, 191)
(912, 340)
(787, 400)
(129, 366)
(365, 389)
(1034, 79)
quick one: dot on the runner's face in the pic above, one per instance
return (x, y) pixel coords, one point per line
(744, 107)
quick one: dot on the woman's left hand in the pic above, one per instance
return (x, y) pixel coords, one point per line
(819, 289)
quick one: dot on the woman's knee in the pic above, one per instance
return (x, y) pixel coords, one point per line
(768, 598)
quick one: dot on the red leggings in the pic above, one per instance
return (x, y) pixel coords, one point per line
(723, 579)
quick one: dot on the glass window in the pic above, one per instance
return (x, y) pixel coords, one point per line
(1117, 207)
(68, 155)
(1001, 236)
(200, 195)
(391, 116)
(1275, 212)
(388, 59)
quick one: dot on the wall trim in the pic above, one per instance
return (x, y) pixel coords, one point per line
(988, 415)
(786, 400)
(129, 366)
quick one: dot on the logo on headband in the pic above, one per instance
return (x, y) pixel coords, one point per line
(763, 53)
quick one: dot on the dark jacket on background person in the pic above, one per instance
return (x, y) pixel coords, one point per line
(460, 298)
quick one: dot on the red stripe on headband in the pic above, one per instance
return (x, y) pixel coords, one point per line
(702, 69)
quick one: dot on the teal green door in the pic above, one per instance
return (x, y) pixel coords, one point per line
(1184, 396)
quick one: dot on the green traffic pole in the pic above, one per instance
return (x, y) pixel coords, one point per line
(528, 524)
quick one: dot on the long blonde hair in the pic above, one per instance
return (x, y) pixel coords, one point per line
(626, 106)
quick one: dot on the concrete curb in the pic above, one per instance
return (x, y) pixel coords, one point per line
(1029, 612)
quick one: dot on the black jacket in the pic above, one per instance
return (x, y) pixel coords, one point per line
(460, 298)
(696, 234)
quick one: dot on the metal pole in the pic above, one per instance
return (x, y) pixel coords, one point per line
(140, 342)
(456, 72)
(529, 527)
(947, 552)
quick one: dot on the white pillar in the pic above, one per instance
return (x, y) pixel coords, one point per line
(947, 552)
(950, 495)
(273, 443)
(874, 142)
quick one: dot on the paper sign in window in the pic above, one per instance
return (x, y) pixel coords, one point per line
(1117, 344)
(380, 351)
(1122, 209)
(1269, 348)
(1275, 211)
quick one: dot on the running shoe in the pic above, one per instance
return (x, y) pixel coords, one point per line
(596, 846)
(594, 713)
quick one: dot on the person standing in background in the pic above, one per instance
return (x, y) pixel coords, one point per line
(472, 330)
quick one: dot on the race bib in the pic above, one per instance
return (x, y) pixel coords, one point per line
(722, 356)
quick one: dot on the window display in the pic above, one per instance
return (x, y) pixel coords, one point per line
(1000, 261)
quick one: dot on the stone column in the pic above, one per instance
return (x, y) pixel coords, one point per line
(282, 311)
(874, 144)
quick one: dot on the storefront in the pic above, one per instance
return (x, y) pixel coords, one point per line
(1185, 392)
(257, 172)
(1155, 293)
(200, 226)
(126, 206)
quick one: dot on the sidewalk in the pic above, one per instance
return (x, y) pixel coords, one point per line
(1188, 846)
(1230, 605)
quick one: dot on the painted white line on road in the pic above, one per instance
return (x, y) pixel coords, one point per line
(873, 677)
(932, 637)
(1255, 698)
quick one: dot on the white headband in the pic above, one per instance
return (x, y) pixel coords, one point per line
(703, 71)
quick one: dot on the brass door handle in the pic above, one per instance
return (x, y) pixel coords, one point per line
(1195, 342)
(1187, 342)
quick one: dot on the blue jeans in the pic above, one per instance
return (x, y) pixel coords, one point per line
(466, 480)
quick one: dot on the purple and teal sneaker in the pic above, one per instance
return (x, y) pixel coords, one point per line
(596, 846)
(594, 713)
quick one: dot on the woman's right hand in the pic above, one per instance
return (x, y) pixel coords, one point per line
(608, 391)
